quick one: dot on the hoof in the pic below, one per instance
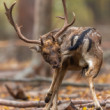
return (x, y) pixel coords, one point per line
(48, 97)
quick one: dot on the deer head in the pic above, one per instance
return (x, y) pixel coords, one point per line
(49, 44)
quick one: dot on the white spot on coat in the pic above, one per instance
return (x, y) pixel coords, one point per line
(75, 40)
(90, 62)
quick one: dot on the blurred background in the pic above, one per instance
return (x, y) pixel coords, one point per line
(38, 17)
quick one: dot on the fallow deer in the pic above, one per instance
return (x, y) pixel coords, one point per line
(69, 48)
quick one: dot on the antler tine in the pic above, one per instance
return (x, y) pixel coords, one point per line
(66, 24)
(61, 17)
(65, 12)
(9, 15)
(16, 27)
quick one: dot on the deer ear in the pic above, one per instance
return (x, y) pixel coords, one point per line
(53, 38)
(37, 48)
(42, 43)
(59, 40)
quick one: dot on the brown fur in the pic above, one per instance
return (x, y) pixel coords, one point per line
(51, 52)
(77, 60)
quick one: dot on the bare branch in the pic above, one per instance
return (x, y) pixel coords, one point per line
(18, 95)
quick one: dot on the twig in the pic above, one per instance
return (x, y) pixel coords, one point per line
(89, 105)
(70, 96)
(18, 95)
(48, 80)
(42, 103)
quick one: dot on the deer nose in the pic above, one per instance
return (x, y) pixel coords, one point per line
(56, 64)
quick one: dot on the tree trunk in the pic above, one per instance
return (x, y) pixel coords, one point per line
(100, 9)
(42, 25)
(42, 22)
(26, 20)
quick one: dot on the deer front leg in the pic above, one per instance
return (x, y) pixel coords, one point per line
(49, 94)
(55, 89)
(54, 107)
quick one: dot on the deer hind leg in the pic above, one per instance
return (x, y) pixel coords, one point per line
(91, 73)
(96, 102)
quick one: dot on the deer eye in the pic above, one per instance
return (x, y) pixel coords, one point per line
(45, 54)
(46, 57)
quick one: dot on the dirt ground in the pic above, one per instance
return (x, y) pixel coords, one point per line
(37, 91)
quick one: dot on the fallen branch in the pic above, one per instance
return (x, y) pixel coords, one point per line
(18, 95)
(70, 96)
(27, 80)
(48, 80)
(22, 104)
(42, 103)
(89, 105)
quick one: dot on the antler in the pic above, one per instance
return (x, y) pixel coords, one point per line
(16, 27)
(66, 24)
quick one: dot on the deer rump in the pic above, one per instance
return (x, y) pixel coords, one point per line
(77, 42)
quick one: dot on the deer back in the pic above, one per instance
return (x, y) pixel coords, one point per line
(74, 38)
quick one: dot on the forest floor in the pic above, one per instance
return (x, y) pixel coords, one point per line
(37, 91)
